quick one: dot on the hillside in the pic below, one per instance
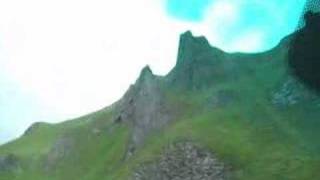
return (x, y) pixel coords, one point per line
(216, 115)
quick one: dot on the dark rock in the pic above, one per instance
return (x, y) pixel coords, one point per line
(182, 161)
(190, 47)
(119, 118)
(199, 65)
(311, 6)
(9, 163)
(304, 54)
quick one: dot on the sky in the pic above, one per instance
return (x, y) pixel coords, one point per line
(62, 59)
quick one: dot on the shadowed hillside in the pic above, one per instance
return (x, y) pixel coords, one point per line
(304, 55)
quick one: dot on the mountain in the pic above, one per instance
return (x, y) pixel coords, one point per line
(215, 116)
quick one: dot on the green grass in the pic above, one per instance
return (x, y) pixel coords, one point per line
(270, 150)
(258, 140)
(93, 156)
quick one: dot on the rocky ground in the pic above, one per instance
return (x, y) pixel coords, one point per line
(184, 161)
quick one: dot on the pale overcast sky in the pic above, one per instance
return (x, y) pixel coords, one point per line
(64, 58)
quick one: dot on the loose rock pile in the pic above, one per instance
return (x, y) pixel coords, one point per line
(184, 161)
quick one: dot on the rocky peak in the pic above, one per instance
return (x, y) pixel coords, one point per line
(145, 75)
(198, 64)
(143, 108)
(146, 71)
(190, 46)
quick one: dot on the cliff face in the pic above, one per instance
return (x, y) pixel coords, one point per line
(145, 105)
(198, 64)
(144, 108)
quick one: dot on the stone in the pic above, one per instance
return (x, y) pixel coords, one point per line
(198, 65)
(144, 108)
(291, 93)
(182, 161)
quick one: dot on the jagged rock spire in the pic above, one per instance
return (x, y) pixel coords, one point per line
(146, 71)
(189, 46)
(197, 62)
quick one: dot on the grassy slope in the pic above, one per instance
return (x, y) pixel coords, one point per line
(92, 157)
(258, 140)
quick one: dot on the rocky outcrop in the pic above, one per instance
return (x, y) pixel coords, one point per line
(198, 64)
(144, 108)
(9, 163)
(184, 161)
(292, 92)
(60, 150)
(144, 105)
